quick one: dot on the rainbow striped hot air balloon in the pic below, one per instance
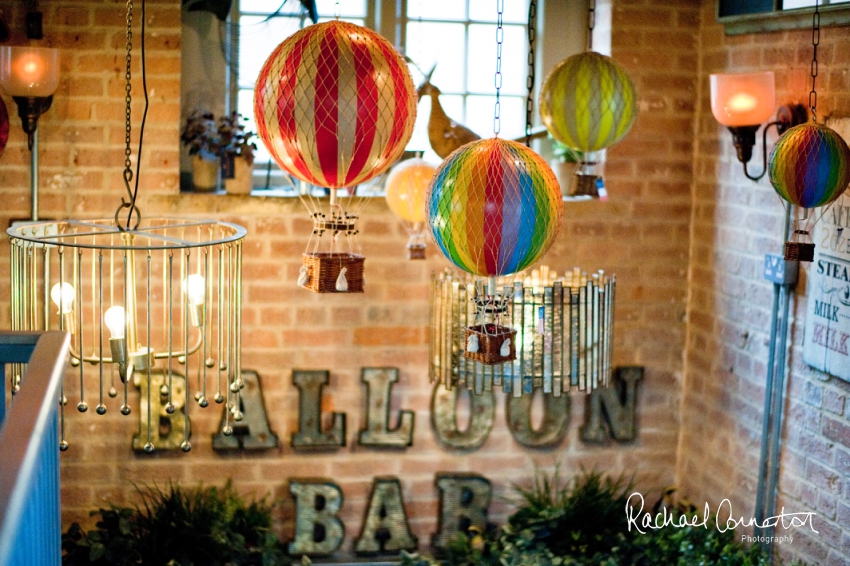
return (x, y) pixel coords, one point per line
(588, 102)
(335, 104)
(810, 165)
(494, 207)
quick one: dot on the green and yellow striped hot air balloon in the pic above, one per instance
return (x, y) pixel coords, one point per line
(588, 102)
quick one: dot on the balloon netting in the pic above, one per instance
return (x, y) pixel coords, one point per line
(335, 104)
(494, 207)
(810, 165)
(588, 102)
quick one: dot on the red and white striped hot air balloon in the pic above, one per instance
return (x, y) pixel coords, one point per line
(335, 104)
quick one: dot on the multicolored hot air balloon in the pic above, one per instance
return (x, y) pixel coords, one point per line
(406, 190)
(494, 207)
(335, 106)
(809, 167)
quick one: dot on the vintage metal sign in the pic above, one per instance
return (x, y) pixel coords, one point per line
(826, 344)
(253, 431)
(464, 500)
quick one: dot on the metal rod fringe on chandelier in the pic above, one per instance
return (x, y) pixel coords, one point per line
(564, 333)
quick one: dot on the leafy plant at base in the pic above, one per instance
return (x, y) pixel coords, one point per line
(583, 523)
(179, 527)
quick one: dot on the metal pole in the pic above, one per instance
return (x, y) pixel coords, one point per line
(34, 175)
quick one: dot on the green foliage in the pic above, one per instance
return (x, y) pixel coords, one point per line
(235, 141)
(564, 153)
(583, 523)
(179, 527)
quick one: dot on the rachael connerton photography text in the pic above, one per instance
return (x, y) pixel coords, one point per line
(724, 519)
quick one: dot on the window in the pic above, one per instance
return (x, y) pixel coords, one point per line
(754, 16)
(457, 36)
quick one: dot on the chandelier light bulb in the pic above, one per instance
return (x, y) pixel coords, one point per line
(114, 320)
(193, 286)
(62, 295)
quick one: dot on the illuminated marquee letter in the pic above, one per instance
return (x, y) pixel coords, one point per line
(618, 402)
(556, 416)
(379, 384)
(310, 435)
(464, 499)
(385, 527)
(482, 409)
(318, 530)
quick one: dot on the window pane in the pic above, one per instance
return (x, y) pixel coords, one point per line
(257, 39)
(270, 6)
(516, 11)
(482, 59)
(791, 4)
(436, 9)
(245, 106)
(440, 44)
(479, 115)
(346, 7)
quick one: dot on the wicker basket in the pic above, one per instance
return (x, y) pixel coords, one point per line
(490, 339)
(799, 251)
(584, 185)
(416, 251)
(323, 270)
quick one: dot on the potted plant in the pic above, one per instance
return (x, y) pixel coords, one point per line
(201, 136)
(237, 154)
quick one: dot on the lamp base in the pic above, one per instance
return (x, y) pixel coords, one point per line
(30, 108)
(744, 138)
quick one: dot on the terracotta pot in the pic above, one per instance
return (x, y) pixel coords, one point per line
(241, 183)
(204, 174)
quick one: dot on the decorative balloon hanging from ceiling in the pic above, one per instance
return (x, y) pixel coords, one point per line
(335, 106)
(406, 189)
(494, 207)
(588, 103)
(809, 167)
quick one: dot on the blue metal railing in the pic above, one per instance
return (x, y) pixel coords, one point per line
(30, 524)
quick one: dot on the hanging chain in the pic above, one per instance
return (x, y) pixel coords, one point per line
(128, 164)
(813, 95)
(337, 10)
(529, 101)
(591, 23)
(500, 37)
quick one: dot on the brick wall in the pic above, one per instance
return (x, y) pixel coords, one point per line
(641, 234)
(736, 222)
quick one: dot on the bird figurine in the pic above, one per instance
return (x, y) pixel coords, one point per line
(444, 134)
(341, 281)
(505, 350)
(472, 344)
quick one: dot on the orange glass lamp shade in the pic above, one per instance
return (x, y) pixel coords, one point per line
(31, 72)
(30, 76)
(744, 99)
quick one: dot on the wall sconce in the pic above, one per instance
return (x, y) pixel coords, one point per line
(30, 76)
(742, 102)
